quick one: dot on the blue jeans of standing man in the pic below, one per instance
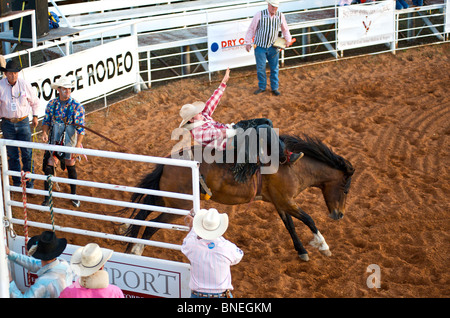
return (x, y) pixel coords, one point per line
(270, 54)
(18, 131)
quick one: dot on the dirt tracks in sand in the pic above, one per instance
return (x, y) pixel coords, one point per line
(389, 115)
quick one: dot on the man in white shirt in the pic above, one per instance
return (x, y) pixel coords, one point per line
(17, 101)
(210, 255)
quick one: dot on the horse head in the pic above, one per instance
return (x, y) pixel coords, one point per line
(330, 172)
(335, 191)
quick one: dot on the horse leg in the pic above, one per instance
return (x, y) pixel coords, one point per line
(289, 224)
(133, 231)
(138, 248)
(318, 240)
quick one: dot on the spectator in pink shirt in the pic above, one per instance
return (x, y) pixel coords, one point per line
(88, 263)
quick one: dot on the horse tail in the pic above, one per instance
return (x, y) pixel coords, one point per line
(150, 181)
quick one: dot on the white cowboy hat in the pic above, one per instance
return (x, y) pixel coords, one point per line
(89, 259)
(209, 224)
(190, 110)
(66, 82)
(275, 3)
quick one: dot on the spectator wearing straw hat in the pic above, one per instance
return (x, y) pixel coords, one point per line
(88, 263)
(63, 124)
(17, 101)
(264, 29)
(210, 255)
(54, 274)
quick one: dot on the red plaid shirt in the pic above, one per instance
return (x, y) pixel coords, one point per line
(210, 134)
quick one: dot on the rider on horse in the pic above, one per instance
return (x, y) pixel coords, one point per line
(197, 118)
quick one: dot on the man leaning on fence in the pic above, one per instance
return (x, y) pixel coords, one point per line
(17, 101)
(53, 274)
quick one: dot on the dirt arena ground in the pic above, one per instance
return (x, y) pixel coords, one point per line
(389, 115)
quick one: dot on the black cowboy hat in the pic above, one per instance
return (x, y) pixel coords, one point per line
(48, 246)
(10, 67)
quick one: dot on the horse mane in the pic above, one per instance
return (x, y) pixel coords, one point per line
(315, 148)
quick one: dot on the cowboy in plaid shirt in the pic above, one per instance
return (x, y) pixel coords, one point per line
(210, 133)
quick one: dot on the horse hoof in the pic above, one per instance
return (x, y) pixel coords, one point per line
(304, 257)
(326, 253)
(137, 249)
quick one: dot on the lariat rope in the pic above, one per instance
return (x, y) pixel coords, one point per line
(50, 198)
(24, 200)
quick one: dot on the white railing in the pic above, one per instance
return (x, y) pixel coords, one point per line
(176, 58)
(9, 203)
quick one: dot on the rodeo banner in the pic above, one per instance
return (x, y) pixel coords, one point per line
(364, 25)
(97, 71)
(226, 47)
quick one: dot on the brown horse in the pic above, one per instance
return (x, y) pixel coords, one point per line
(320, 167)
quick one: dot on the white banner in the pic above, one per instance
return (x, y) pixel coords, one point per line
(364, 25)
(226, 47)
(137, 276)
(98, 71)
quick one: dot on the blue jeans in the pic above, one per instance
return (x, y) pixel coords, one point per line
(18, 131)
(401, 4)
(270, 54)
(417, 2)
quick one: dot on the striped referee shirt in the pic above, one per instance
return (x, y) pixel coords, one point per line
(264, 29)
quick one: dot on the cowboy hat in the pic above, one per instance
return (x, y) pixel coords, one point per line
(89, 259)
(11, 67)
(46, 246)
(274, 3)
(190, 110)
(66, 82)
(209, 224)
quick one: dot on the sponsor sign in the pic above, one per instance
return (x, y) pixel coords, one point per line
(226, 47)
(137, 276)
(98, 71)
(364, 25)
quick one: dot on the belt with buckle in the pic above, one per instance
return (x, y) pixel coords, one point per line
(211, 295)
(14, 120)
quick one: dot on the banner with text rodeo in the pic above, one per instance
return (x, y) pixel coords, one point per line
(98, 71)
(226, 46)
(364, 25)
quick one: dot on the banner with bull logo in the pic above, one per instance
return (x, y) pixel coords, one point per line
(366, 24)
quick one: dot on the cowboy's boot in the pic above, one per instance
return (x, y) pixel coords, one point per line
(292, 157)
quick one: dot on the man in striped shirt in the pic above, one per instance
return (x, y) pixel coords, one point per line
(53, 273)
(264, 29)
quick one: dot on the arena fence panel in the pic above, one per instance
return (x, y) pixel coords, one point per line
(138, 276)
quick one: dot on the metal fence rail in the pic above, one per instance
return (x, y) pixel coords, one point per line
(8, 189)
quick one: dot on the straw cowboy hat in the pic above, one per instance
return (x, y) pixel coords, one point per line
(46, 246)
(11, 66)
(190, 110)
(275, 3)
(65, 81)
(209, 224)
(89, 259)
